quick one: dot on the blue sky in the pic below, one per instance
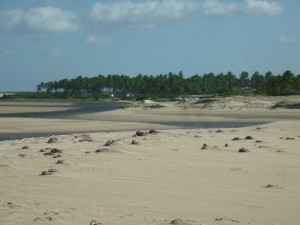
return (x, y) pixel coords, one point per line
(44, 40)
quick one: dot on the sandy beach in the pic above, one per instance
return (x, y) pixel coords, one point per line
(215, 176)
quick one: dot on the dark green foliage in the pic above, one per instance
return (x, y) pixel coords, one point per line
(35, 95)
(166, 86)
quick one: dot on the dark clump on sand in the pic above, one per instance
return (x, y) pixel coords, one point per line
(84, 138)
(48, 172)
(109, 142)
(289, 138)
(101, 150)
(52, 140)
(236, 139)
(94, 222)
(52, 151)
(133, 142)
(60, 162)
(248, 138)
(144, 133)
(181, 222)
(153, 132)
(243, 150)
(140, 133)
(204, 146)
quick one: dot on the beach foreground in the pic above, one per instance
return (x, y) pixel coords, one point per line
(197, 175)
(213, 176)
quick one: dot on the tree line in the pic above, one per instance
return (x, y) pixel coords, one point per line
(175, 84)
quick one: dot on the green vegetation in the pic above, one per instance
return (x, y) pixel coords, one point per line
(167, 86)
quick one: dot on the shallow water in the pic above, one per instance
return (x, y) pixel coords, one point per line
(73, 112)
(76, 112)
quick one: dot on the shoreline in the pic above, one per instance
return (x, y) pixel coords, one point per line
(149, 126)
(211, 113)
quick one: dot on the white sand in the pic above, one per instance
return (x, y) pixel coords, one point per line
(164, 177)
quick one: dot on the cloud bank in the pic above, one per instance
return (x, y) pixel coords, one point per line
(38, 20)
(252, 7)
(143, 14)
(114, 14)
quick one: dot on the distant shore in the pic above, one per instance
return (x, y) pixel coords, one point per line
(25, 118)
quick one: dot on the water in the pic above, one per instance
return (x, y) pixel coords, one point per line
(76, 112)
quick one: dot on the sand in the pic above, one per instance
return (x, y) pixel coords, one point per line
(15, 107)
(168, 177)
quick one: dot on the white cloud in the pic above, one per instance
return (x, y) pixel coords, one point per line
(94, 41)
(55, 53)
(119, 13)
(288, 39)
(253, 7)
(144, 14)
(262, 7)
(38, 20)
(217, 8)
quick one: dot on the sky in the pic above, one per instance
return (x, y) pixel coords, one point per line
(47, 40)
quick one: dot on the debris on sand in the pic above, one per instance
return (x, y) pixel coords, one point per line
(93, 222)
(248, 138)
(289, 138)
(52, 140)
(22, 155)
(49, 172)
(48, 153)
(109, 142)
(25, 147)
(101, 150)
(180, 222)
(236, 139)
(51, 151)
(204, 146)
(60, 162)
(84, 138)
(270, 186)
(133, 142)
(55, 150)
(221, 219)
(153, 132)
(45, 149)
(140, 133)
(242, 150)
